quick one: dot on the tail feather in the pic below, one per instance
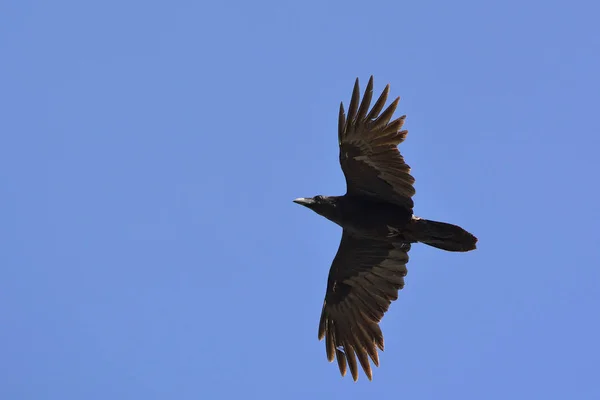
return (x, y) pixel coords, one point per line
(442, 235)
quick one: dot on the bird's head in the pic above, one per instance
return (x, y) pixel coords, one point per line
(322, 205)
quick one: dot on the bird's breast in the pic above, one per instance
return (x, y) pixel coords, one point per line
(378, 221)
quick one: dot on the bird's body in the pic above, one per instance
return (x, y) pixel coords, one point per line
(379, 227)
(366, 217)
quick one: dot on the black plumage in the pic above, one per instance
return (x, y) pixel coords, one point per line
(376, 215)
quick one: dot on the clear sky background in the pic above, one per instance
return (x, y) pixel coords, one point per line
(150, 152)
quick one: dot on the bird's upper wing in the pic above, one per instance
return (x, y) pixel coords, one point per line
(363, 281)
(369, 153)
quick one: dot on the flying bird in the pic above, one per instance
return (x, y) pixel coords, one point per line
(379, 226)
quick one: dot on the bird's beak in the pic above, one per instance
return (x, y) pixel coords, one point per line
(303, 201)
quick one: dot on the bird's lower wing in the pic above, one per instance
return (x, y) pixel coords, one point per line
(363, 281)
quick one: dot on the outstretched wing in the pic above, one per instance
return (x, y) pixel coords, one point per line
(363, 281)
(369, 153)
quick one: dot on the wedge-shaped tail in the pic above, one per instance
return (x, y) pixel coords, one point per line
(442, 235)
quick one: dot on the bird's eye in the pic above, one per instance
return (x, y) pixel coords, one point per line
(318, 198)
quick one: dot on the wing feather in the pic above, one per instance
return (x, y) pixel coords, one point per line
(341, 123)
(383, 119)
(364, 280)
(366, 102)
(341, 359)
(369, 154)
(379, 103)
(353, 107)
(351, 359)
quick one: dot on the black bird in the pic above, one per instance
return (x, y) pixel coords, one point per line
(376, 215)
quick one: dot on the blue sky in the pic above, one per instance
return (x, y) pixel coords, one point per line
(150, 152)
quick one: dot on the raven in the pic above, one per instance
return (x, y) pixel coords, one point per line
(376, 215)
